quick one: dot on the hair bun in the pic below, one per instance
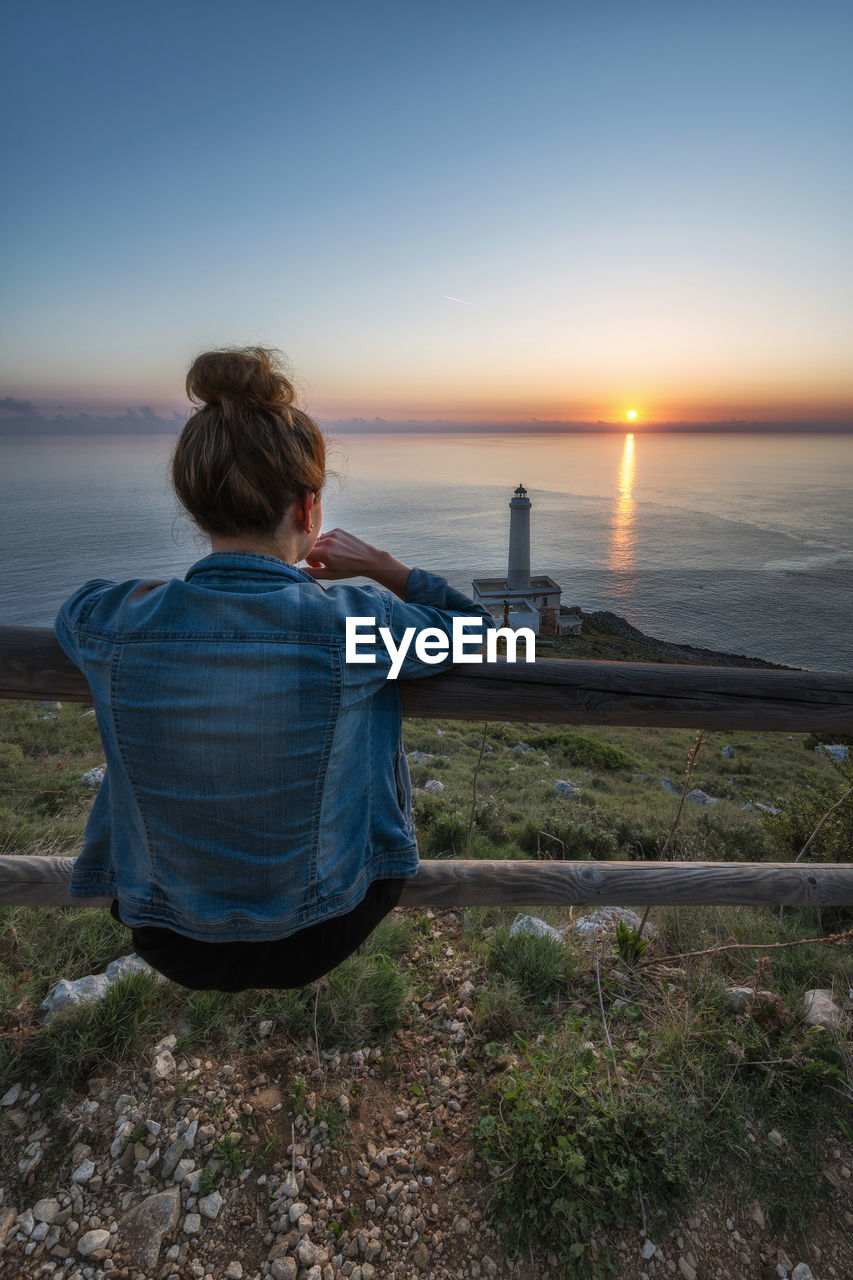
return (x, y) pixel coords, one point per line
(249, 376)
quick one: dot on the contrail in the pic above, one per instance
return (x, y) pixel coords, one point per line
(450, 298)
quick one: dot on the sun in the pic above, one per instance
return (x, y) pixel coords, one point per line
(631, 415)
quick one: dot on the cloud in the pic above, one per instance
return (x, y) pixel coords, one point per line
(25, 408)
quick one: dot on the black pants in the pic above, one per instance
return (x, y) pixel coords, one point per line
(280, 963)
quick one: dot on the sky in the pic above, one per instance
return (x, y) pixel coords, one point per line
(475, 211)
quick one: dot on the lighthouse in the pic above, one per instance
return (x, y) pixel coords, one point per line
(522, 600)
(518, 567)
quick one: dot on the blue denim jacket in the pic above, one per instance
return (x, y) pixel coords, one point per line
(256, 782)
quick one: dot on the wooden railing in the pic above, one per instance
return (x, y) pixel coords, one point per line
(33, 666)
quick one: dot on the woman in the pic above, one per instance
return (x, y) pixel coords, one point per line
(254, 823)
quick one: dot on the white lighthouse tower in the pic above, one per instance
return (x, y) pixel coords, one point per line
(518, 567)
(521, 600)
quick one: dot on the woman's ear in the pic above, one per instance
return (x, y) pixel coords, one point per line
(305, 511)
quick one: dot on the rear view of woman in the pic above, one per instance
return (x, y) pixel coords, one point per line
(254, 824)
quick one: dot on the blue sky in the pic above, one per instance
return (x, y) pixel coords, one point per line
(637, 205)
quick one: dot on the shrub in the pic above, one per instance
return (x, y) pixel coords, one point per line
(569, 1158)
(540, 967)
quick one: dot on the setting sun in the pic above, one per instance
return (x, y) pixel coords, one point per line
(631, 415)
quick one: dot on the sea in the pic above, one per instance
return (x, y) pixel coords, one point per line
(741, 543)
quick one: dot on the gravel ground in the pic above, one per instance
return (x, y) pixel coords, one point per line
(365, 1171)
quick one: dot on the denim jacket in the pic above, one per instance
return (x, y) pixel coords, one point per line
(256, 781)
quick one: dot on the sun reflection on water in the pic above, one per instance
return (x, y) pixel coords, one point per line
(623, 534)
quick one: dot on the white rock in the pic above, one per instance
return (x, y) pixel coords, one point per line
(648, 1250)
(65, 993)
(11, 1096)
(265, 1028)
(284, 1269)
(46, 1210)
(605, 920)
(533, 925)
(418, 757)
(234, 1271)
(802, 1271)
(94, 777)
(818, 1009)
(671, 787)
(727, 752)
(296, 1211)
(192, 1224)
(92, 1241)
(696, 796)
(564, 788)
(210, 1205)
(434, 786)
(83, 1172)
(162, 1067)
(839, 753)
(128, 964)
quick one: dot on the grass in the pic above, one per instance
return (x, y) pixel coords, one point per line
(586, 1121)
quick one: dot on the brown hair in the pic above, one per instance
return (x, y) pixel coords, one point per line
(247, 452)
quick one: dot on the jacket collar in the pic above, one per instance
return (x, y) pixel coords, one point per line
(248, 563)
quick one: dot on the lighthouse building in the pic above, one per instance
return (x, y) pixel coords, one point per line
(520, 599)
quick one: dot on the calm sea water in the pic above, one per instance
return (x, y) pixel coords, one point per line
(737, 543)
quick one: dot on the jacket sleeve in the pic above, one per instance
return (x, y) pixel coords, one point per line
(72, 612)
(431, 602)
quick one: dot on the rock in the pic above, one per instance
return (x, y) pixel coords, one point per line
(11, 1096)
(309, 1254)
(727, 753)
(839, 753)
(671, 787)
(92, 1241)
(284, 1269)
(94, 777)
(418, 757)
(605, 920)
(296, 1211)
(83, 1172)
(420, 1256)
(648, 1250)
(93, 986)
(210, 1205)
(143, 1229)
(818, 1009)
(172, 1156)
(533, 925)
(265, 1028)
(234, 1271)
(802, 1271)
(776, 1138)
(7, 1221)
(46, 1210)
(739, 998)
(65, 993)
(522, 749)
(192, 1224)
(701, 797)
(686, 1270)
(564, 788)
(434, 786)
(30, 1160)
(751, 806)
(162, 1067)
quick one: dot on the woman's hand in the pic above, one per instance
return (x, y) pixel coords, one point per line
(339, 554)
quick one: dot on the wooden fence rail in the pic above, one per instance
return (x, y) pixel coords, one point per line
(33, 666)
